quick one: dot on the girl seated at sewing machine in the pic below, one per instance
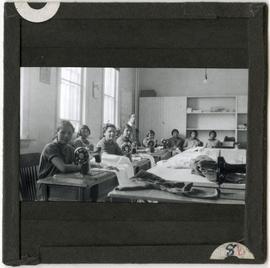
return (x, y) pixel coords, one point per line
(150, 139)
(124, 141)
(192, 141)
(213, 142)
(107, 143)
(82, 138)
(176, 142)
(58, 155)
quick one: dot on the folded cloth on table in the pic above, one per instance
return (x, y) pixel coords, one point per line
(122, 163)
(149, 157)
(144, 180)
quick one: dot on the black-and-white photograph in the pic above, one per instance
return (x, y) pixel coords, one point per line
(133, 135)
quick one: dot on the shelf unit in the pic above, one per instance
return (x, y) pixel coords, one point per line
(220, 113)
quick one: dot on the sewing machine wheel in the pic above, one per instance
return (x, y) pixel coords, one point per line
(81, 155)
(126, 148)
(150, 144)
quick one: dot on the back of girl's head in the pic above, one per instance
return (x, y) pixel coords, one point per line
(108, 125)
(81, 128)
(150, 132)
(213, 132)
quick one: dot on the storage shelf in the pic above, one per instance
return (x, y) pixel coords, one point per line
(239, 129)
(214, 113)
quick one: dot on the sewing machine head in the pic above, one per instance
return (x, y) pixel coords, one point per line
(165, 143)
(126, 148)
(81, 157)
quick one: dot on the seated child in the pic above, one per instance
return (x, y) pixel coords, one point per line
(150, 136)
(175, 141)
(107, 143)
(58, 156)
(82, 138)
(126, 136)
(192, 141)
(212, 141)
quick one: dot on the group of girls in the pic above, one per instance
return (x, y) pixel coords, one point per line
(58, 155)
(176, 141)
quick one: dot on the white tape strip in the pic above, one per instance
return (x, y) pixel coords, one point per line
(37, 15)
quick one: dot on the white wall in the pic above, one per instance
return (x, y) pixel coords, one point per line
(189, 82)
(39, 107)
(126, 93)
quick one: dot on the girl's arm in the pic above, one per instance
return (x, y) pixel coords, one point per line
(65, 168)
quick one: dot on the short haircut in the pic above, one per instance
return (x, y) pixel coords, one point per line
(175, 130)
(65, 123)
(83, 127)
(214, 132)
(150, 132)
(107, 126)
(126, 126)
(194, 131)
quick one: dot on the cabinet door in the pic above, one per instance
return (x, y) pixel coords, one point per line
(174, 115)
(150, 111)
(242, 104)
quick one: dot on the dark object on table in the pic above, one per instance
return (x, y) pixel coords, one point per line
(97, 155)
(81, 156)
(151, 146)
(126, 148)
(229, 142)
(145, 180)
(165, 143)
(223, 169)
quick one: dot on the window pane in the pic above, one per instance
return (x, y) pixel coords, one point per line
(108, 116)
(70, 94)
(109, 81)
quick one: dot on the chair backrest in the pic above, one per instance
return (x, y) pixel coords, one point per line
(29, 175)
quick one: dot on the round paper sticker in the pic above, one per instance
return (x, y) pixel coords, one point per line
(37, 15)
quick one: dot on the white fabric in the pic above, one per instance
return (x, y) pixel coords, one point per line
(149, 157)
(122, 163)
(182, 160)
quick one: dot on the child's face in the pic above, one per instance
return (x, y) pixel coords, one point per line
(85, 133)
(151, 136)
(133, 118)
(175, 134)
(64, 135)
(212, 136)
(193, 135)
(126, 132)
(110, 133)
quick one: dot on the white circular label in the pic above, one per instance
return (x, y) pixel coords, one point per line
(231, 249)
(37, 15)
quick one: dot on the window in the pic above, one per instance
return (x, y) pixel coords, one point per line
(110, 105)
(70, 96)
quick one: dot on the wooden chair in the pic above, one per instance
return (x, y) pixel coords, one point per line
(28, 176)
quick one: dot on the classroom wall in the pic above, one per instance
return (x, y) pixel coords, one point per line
(39, 109)
(189, 82)
(127, 78)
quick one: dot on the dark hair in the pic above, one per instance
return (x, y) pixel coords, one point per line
(214, 132)
(150, 132)
(107, 126)
(175, 130)
(126, 126)
(83, 127)
(62, 124)
(194, 131)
